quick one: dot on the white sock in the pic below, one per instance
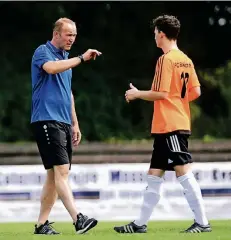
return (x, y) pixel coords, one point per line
(150, 199)
(193, 195)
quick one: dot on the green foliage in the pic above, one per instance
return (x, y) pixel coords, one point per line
(215, 116)
(208, 139)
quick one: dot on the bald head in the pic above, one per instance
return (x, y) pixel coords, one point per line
(64, 33)
(61, 22)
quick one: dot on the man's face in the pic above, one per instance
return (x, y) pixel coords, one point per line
(158, 37)
(66, 37)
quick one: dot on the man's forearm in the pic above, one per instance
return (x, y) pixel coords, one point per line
(194, 93)
(151, 95)
(53, 67)
(73, 112)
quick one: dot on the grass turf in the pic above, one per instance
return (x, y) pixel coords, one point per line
(162, 230)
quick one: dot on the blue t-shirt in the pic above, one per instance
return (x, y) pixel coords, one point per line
(51, 93)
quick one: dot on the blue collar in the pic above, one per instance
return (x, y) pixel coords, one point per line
(55, 49)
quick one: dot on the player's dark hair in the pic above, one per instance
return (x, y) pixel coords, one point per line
(169, 25)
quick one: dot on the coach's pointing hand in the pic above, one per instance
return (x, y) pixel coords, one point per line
(132, 93)
(91, 54)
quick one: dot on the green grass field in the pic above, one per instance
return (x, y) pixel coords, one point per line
(104, 231)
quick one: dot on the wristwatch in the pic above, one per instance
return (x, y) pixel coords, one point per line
(81, 58)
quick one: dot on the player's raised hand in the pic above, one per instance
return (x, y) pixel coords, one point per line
(91, 54)
(131, 94)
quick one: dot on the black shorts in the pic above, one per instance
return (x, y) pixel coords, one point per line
(170, 150)
(54, 141)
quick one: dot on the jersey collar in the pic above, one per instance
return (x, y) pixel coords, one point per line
(55, 49)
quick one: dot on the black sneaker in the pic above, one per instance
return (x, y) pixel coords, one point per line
(198, 228)
(46, 229)
(131, 228)
(84, 223)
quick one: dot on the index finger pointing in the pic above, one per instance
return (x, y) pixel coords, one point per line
(96, 51)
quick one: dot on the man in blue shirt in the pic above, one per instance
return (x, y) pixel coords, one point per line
(54, 121)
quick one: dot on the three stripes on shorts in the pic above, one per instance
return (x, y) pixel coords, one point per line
(175, 143)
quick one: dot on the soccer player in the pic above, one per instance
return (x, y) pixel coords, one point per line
(54, 122)
(175, 84)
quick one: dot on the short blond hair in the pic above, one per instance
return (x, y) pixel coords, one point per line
(59, 24)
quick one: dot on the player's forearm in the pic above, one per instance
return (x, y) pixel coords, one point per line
(194, 93)
(53, 67)
(151, 95)
(73, 112)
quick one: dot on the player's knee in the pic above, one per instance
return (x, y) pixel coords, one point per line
(182, 169)
(49, 184)
(154, 185)
(61, 172)
(50, 178)
(156, 172)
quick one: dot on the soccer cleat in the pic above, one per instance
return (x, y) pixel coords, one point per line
(198, 228)
(84, 223)
(46, 229)
(131, 228)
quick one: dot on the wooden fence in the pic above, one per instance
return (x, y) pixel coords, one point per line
(88, 153)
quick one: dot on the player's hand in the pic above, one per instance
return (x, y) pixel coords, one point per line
(132, 93)
(91, 54)
(76, 135)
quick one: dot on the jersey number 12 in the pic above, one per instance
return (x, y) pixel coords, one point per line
(184, 77)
